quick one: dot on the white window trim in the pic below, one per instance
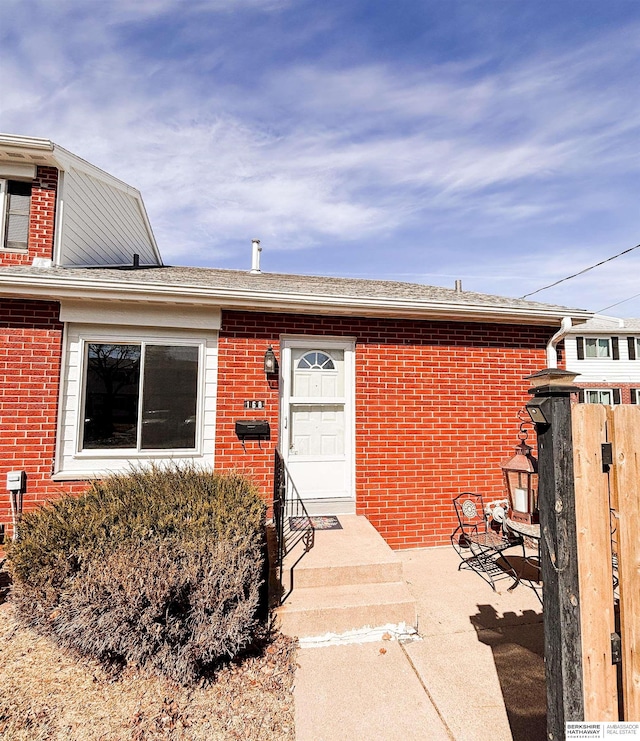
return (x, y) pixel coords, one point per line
(3, 213)
(73, 463)
(597, 340)
(600, 391)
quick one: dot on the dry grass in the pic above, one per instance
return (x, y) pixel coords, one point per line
(49, 695)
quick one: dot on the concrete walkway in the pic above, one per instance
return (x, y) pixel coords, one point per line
(476, 674)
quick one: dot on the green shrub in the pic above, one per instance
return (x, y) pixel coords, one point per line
(160, 568)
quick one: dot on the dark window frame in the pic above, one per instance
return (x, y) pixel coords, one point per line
(131, 394)
(10, 212)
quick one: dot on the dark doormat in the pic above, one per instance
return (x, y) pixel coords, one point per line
(319, 522)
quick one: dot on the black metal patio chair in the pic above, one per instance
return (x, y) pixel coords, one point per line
(478, 544)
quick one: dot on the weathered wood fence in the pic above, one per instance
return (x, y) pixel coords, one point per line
(606, 460)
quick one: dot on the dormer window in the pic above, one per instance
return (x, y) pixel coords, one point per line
(15, 205)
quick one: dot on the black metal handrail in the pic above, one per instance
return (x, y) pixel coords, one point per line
(292, 521)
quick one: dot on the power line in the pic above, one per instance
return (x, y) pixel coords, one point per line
(624, 301)
(586, 270)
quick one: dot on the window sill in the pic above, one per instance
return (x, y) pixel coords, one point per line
(92, 468)
(135, 455)
(77, 476)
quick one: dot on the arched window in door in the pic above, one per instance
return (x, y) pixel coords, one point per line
(316, 360)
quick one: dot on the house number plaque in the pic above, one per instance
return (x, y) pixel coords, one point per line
(254, 404)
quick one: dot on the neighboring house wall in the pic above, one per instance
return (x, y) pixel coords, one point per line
(436, 410)
(622, 393)
(41, 220)
(619, 371)
(30, 351)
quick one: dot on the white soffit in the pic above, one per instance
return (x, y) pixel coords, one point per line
(15, 170)
(138, 315)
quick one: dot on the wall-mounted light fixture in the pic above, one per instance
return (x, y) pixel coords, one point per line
(270, 362)
(535, 408)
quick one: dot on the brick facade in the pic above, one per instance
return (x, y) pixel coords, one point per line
(436, 410)
(625, 389)
(41, 220)
(436, 407)
(30, 353)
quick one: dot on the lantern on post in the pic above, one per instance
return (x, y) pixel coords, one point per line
(521, 480)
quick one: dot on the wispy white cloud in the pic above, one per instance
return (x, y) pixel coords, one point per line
(304, 151)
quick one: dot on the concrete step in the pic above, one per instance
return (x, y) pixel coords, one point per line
(315, 611)
(357, 554)
(338, 576)
(349, 580)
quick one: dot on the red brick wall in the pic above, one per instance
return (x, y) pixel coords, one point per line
(625, 389)
(41, 221)
(436, 406)
(30, 352)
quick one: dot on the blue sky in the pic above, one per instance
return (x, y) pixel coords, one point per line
(422, 140)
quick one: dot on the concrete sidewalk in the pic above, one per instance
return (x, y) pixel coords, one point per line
(476, 674)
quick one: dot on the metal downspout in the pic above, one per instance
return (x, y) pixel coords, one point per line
(552, 353)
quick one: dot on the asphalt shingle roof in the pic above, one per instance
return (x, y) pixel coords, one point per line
(610, 325)
(281, 283)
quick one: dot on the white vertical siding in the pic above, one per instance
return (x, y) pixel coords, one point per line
(102, 223)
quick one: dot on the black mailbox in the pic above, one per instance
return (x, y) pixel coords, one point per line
(253, 429)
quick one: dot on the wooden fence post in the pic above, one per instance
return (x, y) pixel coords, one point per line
(552, 390)
(595, 571)
(625, 432)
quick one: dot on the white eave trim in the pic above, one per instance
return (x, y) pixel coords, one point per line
(63, 160)
(26, 142)
(39, 287)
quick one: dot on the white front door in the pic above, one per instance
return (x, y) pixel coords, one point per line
(317, 417)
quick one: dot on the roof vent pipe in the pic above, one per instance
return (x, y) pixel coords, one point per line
(136, 260)
(255, 256)
(458, 286)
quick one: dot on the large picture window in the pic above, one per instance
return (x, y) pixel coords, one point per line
(140, 396)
